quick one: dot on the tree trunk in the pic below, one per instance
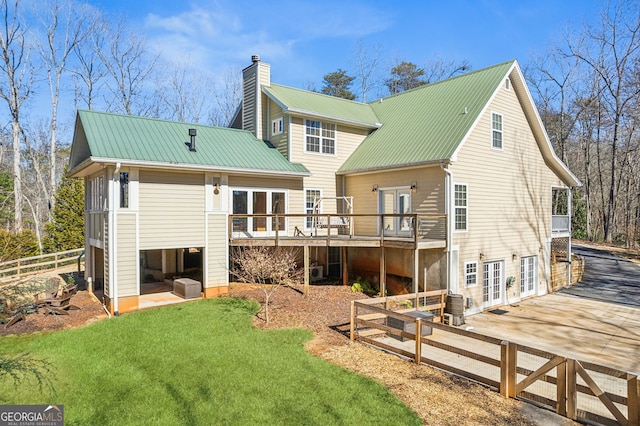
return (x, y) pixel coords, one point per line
(17, 176)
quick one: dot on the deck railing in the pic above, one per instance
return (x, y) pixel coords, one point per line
(560, 223)
(575, 389)
(409, 227)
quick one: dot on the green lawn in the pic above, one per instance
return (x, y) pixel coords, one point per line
(196, 363)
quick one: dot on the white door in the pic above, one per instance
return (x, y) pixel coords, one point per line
(528, 268)
(396, 201)
(492, 283)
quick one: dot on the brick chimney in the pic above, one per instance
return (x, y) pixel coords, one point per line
(255, 76)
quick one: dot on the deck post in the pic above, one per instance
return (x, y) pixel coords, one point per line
(633, 388)
(306, 269)
(345, 271)
(418, 341)
(572, 392)
(416, 272)
(504, 368)
(383, 273)
(561, 391)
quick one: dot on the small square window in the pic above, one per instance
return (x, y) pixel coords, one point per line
(276, 126)
(470, 274)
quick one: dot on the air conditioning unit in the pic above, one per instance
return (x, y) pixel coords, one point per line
(316, 273)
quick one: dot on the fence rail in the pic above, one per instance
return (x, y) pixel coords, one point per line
(14, 268)
(576, 389)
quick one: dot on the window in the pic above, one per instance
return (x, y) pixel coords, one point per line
(276, 126)
(97, 190)
(470, 274)
(124, 190)
(496, 130)
(312, 195)
(321, 137)
(259, 203)
(507, 84)
(460, 202)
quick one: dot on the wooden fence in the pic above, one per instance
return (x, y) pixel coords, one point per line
(575, 389)
(15, 268)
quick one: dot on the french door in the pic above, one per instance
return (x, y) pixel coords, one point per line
(396, 201)
(492, 283)
(528, 268)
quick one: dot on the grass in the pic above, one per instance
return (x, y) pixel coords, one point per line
(195, 363)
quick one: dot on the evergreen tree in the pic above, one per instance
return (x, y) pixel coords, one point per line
(405, 76)
(338, 84)
(66, 229)
(6, 200)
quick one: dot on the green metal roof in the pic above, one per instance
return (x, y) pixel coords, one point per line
(305, 102)
(426, 124)
(105, 137)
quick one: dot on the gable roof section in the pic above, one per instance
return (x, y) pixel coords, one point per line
(426, 124)
(304, 102)
(109, 138)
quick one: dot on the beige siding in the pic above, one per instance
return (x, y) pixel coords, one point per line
(217, 266)
(172, 209)
(323, 167)
(509, 194)
(280, 141)
(428, 199)
(126, 255)
(107, 261)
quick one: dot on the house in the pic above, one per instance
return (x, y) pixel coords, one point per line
(450, 185)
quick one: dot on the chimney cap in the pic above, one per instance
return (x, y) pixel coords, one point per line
(192, 132)
(255, 58)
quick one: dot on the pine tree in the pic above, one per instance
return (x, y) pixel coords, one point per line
(405, 76)
(66, 229)
(337, 84)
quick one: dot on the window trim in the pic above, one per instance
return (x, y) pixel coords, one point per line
(500, 131)
(321, 138)
(465, 207)
(467, 274)
(277, 126)
(306, 209)
(269, 207)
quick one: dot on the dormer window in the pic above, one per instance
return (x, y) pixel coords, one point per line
(320, 137)
(276, 126)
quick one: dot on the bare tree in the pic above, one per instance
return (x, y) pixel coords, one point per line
(184, 94)
(441, 68)
(126, 59)
(18, 77)
(64, 24)
(268, 267)
(227, 95)
(366, 60)
(610, 52)
(89, 70)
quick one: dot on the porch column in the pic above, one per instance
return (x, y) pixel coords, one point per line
(569, 199)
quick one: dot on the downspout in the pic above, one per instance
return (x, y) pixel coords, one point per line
(447, 210)
(113, 235)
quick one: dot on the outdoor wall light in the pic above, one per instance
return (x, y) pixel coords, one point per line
(481, 256)
(216, 188)
(414, 187)
(374, 189)
(514, 256)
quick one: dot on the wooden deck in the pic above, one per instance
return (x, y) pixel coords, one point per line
(331, 231)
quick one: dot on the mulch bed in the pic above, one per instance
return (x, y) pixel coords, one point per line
(438, 398)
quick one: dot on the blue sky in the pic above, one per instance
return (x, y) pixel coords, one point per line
(304, 40)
